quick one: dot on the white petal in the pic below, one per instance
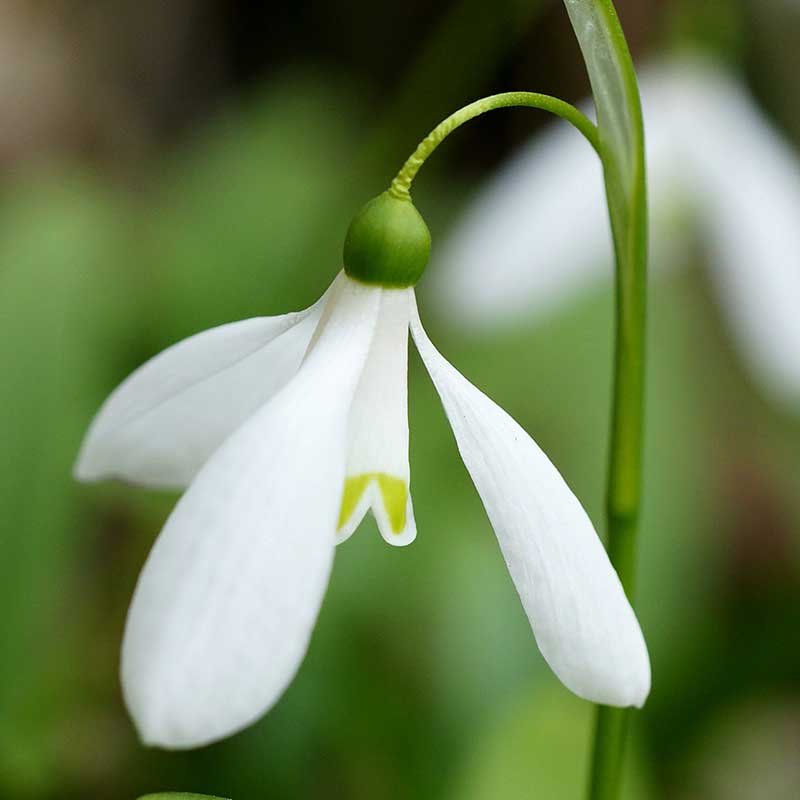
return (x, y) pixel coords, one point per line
(748, 179)
(583, 623)
(378, 473)
(164, 421)
(225, 605)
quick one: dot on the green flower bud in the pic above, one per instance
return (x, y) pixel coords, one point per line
(388, 243)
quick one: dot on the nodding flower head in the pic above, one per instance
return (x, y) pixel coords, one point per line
(285, 431)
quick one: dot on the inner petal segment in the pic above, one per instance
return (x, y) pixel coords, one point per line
(391, 501)
(378, 474)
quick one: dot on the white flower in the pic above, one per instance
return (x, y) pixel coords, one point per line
(286, 431)
(539, 232)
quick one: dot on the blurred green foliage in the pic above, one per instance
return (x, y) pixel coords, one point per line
(422, 680)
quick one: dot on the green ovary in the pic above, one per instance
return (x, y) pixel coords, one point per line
(394, 492)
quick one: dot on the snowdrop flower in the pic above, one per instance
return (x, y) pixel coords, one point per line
(286, 431)
(540, 229)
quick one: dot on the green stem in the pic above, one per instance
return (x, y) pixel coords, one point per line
(611, 730)
(623, 497)
(401, 184)
(623, 493)
(611, 724)
(622, 151)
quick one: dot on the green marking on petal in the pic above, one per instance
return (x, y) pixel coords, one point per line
(394, 492)
(353, 489)
(395, 497)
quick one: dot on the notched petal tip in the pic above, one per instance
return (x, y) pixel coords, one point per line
(390, 501)
(391, 505)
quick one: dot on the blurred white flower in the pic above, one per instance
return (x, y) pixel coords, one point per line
(282, 425)
(539, 231)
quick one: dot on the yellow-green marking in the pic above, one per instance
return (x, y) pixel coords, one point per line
(394, 492)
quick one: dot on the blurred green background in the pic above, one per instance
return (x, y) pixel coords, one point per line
(167, 167)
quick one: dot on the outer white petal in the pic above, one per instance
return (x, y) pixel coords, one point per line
(165, 420)
(583, 623)
(748, 180)
(224, 608)
(378, 473)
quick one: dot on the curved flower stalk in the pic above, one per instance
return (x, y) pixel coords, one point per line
(712, 157)
(286, 431)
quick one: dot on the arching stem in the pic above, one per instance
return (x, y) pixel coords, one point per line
(401, 184)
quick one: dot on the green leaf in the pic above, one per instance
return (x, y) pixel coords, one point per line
(621, 134)
(613, 82)
(621, 131)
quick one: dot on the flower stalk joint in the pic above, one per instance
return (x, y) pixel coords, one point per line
(387, 243)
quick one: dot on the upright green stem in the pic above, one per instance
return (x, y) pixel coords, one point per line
(402, 182)
(623, 500)
(621, 133)
(624, 479)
